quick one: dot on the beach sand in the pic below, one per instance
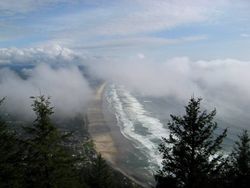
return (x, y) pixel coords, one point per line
(107, 137)
(99, 132)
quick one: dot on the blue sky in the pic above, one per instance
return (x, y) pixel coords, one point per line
(158, 29)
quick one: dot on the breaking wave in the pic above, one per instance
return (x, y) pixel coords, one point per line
(137, 124)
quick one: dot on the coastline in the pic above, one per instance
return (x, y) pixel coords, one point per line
(108, 139)
(98, 130)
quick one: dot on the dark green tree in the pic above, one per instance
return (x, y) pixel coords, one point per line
(10, 156)
(49, 163)
(190, 153)
(239, 168)
(100, 174)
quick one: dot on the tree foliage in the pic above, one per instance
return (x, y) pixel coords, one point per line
(48, 162)
(10, 158)
(190, 153)
(100, 174)
(239, 163)
(44, 157)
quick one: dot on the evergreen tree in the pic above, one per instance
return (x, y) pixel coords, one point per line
(48, 162)
(10, 158)
(239, 168)
(190, 154)
(100, 175)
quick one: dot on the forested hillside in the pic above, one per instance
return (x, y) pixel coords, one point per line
(42, 155)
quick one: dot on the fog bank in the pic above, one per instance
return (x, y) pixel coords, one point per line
(222, 83)
(55, 73)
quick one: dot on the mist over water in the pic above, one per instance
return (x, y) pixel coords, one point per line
(152, 90)
(221, 83)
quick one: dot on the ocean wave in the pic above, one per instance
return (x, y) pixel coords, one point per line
(137, 124)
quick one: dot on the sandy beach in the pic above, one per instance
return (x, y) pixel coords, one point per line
(107, 137)
(99, 132)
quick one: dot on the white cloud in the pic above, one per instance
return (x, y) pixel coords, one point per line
(116, 23)
(126, 20)
(67, 87)
(245, 35)
(151, 15)
(140, 55)
(223, 84)
(55, 74)
(47, 54)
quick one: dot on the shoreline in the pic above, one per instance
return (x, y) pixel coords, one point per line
(99, 132)
(107, 138)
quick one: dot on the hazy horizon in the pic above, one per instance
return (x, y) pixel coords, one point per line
(158, 49)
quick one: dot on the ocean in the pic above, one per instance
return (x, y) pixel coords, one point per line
(143, 121)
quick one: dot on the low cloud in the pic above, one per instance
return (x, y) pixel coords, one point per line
(221, 83)
(53, 54)
(51, 75)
